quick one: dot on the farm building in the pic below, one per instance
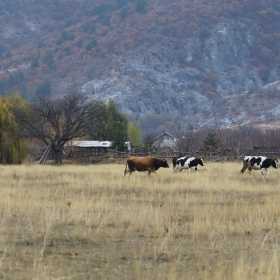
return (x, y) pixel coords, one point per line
(166, 141)
(94, 145)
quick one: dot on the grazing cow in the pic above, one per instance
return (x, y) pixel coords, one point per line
(188, 163)
(141, 164)
(174, 161)
(258, 163)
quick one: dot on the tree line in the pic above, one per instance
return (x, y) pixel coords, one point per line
(59, 120)
(213, 138)
(72, 116)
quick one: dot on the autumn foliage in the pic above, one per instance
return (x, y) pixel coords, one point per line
(70, 34)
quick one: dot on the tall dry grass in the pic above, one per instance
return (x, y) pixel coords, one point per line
(91, 222)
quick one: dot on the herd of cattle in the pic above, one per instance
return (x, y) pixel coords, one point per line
(152, 164)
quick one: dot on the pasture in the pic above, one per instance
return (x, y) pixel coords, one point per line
(91, 222)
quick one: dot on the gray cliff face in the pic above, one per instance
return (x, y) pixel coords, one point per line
(227, 53)
(196, 81)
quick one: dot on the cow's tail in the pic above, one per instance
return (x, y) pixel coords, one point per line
(125, 171)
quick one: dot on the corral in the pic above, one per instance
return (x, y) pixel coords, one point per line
(91, 222)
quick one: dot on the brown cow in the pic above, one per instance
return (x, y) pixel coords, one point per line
(141, 164)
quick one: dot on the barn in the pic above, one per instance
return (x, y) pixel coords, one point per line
(166, 142)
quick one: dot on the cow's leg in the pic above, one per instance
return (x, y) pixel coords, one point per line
(128, 170)
(125, 171)
(266, 170)
(262, 170)
(243, 168)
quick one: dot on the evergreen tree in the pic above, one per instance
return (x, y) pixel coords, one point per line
(98, 124)
(109, 124)
(211, 142)
(117, 127)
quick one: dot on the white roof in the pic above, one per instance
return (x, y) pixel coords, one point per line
(87, 144)
(94, 144)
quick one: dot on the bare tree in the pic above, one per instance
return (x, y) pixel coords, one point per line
(191, 140)
(59, 120)
(148, 142)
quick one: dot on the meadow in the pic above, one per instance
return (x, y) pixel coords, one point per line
(91, 222)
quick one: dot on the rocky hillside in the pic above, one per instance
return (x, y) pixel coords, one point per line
(195, 63)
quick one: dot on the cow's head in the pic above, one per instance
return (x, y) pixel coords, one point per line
(164, 164)
(201, 162)
(274, 163)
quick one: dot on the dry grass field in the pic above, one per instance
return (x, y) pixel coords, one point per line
(91, 222)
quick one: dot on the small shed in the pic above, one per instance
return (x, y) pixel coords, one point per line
(95, 145)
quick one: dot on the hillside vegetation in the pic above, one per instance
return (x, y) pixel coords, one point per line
(49, 47)
(54, 40)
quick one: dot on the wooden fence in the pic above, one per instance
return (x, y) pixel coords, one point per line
(92, 156)
(112, 156)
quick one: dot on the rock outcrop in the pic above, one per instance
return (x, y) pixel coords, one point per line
(201, 81)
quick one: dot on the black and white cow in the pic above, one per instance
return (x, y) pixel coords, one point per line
(189, 163)
(174, 161)
(258, 163)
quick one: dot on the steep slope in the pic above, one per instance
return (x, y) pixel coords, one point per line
(221, 89)
(198, 63)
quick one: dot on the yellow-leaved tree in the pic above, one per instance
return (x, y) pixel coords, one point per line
(134, 134)
(13, 147)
